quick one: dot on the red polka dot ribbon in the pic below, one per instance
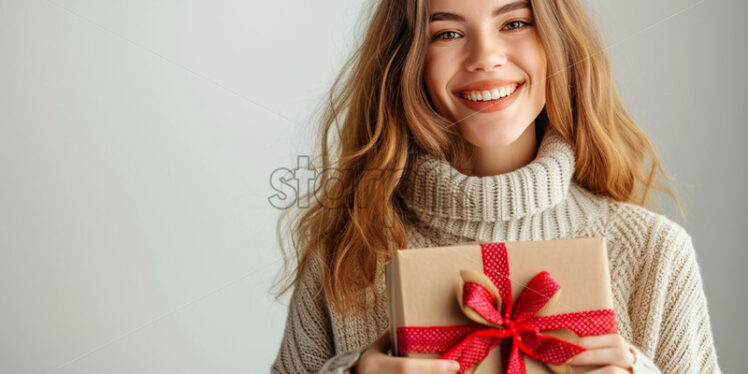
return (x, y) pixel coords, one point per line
(515, 327)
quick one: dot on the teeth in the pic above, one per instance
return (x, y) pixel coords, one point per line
(487, 95)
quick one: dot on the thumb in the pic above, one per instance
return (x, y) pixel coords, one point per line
(422, 366)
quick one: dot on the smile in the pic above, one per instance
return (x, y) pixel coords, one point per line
(493, 100)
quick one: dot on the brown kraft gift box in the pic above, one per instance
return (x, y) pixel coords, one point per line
(422, 287)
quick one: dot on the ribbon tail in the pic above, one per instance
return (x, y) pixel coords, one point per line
(470, 351)
(549, 349)
(515, 363)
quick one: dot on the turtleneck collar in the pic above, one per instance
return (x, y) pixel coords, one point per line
(433, 188)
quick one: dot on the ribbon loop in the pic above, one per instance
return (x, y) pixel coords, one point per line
(479, 298)
(539, 293)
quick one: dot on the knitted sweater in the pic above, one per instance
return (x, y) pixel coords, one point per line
(657, 287)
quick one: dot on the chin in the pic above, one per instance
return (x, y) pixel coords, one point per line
(489, 138)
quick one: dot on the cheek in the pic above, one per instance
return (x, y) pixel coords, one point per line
(429, 78)
(539, 62)
(534, 63)
(431, 73)
(434, 76)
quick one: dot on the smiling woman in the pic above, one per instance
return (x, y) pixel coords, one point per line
(513, 104)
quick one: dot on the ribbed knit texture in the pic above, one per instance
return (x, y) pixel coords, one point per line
(657, 287)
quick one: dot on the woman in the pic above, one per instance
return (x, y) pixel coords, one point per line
(512, 103)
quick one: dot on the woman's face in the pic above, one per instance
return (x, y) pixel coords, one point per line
(485, 68)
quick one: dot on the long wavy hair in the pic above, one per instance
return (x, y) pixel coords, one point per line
(378, 116)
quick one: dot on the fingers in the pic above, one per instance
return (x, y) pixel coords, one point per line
(609, 370)
(610, 349)
(376, 360)
(419, 366)
(618, 356)
(381, 363)
(602, 341)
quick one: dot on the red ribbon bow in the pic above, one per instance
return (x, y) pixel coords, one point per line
(521, 329)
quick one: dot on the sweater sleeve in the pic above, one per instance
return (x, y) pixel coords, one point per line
(671, 318)
(307, 339)
(644, 363)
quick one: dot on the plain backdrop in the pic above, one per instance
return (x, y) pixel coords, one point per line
(137, 140)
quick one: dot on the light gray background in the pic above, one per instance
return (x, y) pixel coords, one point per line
(137, 139)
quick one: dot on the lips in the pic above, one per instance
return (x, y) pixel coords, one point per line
(486, 85)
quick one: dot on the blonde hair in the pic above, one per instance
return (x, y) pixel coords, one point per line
(386, 118)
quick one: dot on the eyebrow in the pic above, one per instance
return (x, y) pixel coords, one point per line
(444, 16)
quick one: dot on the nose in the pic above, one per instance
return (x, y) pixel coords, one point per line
(486, 52)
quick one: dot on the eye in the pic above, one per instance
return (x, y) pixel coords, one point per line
(439, 36)
(516, 25)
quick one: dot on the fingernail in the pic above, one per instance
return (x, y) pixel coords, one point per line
(569, 360)
(453, 366)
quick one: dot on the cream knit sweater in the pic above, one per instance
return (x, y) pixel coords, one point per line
(657, 287)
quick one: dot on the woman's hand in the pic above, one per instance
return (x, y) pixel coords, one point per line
(375, 360)
(609, 353)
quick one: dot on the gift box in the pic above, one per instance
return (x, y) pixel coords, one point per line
(510, 307)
